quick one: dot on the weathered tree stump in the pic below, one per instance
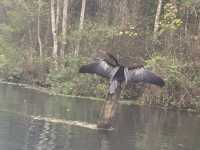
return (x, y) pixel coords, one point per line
(109, 109)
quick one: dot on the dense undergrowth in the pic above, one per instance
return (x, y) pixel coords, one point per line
(182, 83)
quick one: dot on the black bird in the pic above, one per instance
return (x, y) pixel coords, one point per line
(118, 74)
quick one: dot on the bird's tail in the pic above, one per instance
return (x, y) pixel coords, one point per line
(113, 86)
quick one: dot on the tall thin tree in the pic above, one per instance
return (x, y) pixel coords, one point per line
(54, 33)
(38, 30)
(157, 19)
(64, 28)
(82, 17)
(57, 16)
(82, 14)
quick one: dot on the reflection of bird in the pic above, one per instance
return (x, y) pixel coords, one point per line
(119, 74)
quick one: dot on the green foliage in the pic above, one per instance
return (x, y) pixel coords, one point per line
(10, 58)
(130, 32)
(170, 21)
(6, 30)
(93, 32)
(177, 81)
(15, 23)
(68, 81)
(166, 65)
(17, 18)
(188, 2)
(97, 35)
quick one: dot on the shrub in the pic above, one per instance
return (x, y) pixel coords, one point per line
(179, 88)
(68, 81)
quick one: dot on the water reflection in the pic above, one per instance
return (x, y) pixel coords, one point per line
(137, 128)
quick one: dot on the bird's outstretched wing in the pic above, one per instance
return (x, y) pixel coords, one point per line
(113, 58)
(143, 75)
(101, 67)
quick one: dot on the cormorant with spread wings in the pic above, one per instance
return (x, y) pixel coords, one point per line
(118, 74)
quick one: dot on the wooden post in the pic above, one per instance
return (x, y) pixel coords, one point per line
(109, 109)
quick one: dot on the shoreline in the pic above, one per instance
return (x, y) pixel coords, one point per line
(45, 90)
(122, 102)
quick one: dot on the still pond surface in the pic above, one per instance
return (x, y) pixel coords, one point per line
(138, 128)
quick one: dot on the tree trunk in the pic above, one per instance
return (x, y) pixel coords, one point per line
(54, 33)
(30, 50)
(57, 15)
(64, 28)
(157, 19)
(123, 13)
(82, 16)
(186, 22)
(109, 109)
(38, 30)
(47, 32)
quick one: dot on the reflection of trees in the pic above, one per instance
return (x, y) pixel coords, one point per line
(47, 137)
(123, 137)
(152, 129)
(165, 130)
(68, 145)
(104, 142)
(84, 110)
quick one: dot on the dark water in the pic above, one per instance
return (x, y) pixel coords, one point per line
(138, 128)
